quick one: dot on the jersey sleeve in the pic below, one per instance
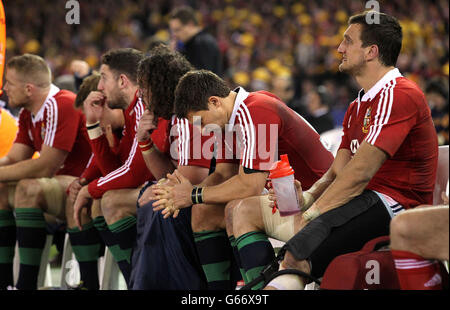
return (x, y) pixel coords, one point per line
(23, 133)
(61, 124)
(396, 113)
(131, 174)
(258, 130)
(92, 170)
(107, 160)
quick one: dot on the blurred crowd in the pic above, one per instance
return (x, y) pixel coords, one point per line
(285, 46)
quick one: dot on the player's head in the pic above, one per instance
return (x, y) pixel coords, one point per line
(118, 75)
(201, 93)
(183, 23)
(25, 76)
(158, 76)
(89, 84)
(371, 37)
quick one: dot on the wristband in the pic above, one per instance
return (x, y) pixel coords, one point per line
(308, 200)
(145, 145)
(197, 195)
(310, 215)
(200, 195)
(194, 195)
(94, 130)
(92, 126)
(148, 151)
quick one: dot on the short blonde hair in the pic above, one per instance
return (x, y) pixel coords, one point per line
(31, 69)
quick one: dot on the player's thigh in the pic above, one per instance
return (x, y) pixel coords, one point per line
(424, 231)
(49, 194)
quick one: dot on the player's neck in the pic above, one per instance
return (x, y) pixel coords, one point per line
(371, 76)
(229, 104)
(37, 100)
(130, 95)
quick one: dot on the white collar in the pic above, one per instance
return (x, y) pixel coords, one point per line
(40, 114)
(391, 75)
(242, 94)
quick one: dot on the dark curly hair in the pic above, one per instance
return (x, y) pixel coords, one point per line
(158, 74)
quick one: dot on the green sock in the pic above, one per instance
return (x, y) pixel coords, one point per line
(112, 242)
(86, 245)
(237, 257)
(31, 236)
(7, 245)
(256, 252)
(213, 248)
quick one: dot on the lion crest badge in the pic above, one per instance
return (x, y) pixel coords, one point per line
(366, 122)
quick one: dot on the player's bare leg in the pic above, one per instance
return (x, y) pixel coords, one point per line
(423, 231)
(419, 238)
(119, 210)
(7, 238)
(86, 244)
(32, 198)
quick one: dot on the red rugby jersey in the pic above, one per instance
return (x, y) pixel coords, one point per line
(188, 146)
(57, 124)
(394, 116)
(126, 168)
(266, 128)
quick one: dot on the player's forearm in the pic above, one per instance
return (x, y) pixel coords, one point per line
(30, 168)
(4, 161)
(233, 188)
(349, 183)
(322, 184)
(220, 175)
(157, 163)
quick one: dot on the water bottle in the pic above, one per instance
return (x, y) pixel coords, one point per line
(282, 179)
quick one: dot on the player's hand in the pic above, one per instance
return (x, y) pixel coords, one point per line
(79, 67)
(298, 187)
(73, 190)
(176, 196)
(93, 106)
(83, 200)
(273, 199)
(146, 124)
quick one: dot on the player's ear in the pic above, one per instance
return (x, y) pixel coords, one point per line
(372, 52)
(214, 101)
(29, 89)
(123, 80)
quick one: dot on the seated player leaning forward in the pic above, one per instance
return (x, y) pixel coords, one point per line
(124, 172)
(386, 161)
(261, 120)
(49, 124)
(174, 235)
(87, 244)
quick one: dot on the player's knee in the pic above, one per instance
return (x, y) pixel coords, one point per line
(400, 231)
(207, 217)
(109, 205)
(243, 217)
(229, 209)
(28, 194)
